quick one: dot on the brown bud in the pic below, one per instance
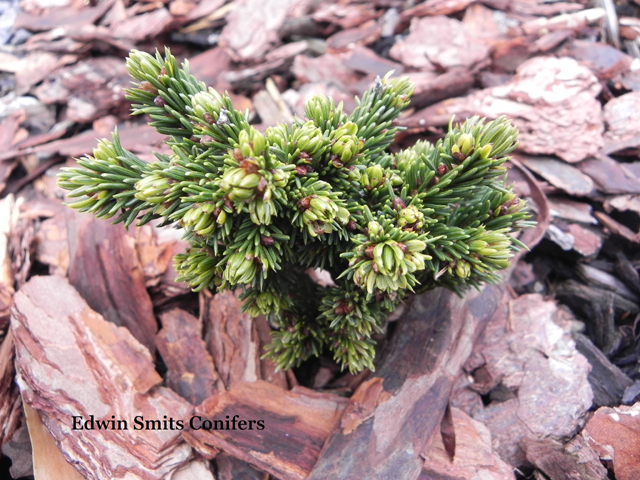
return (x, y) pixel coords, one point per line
(159, 101)
(237, 154)
(305, 203)
(228, 203)
(343, 309)
(163, 71)
(398, 203)
(266, 241)
(368, 252)
(261, 187)
(352, 225)
(402, 247)
(303, 169)
(442, 169)
(147, 87)
(305, 157)
(459, 156)
(208, 118)
(336, 162)
(206, 139)
(248, 165)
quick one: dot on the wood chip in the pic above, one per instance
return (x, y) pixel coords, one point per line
(622, 123)
(586, 243)
(71, 362)
(610, 176)
(474, 457)
(615, 434)
(344, 40)
(571, 210)
(329, 68)
(10, 401)
(141, 27)
(62, 17)
(623, 203)
(91, 88)
(252, 28)
(437, 44)
(575, 459)
(432, 88)
(605, 61)
(48, 462)
(617, 228)
(560, 174)
(607, 381)
(345, 14)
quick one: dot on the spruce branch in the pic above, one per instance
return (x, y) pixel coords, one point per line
(259, 209)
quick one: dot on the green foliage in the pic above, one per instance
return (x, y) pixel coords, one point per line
(259, 209)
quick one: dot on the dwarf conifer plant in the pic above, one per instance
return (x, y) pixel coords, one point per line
(259, 209)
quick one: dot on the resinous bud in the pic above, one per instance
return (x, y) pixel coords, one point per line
(463, 269)
(151, 188)
(374, 229)
(373, 177)
(410, 216)
(466, 143)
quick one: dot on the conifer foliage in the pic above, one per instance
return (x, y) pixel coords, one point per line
(260, 209)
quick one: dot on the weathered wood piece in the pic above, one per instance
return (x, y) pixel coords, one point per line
(296, 424)
(71, 362)
(48, 462)
(191, 373)
(7, 212)
(610, 176)
(392, 416)
(105, 269)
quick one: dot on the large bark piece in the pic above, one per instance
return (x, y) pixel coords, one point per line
(71, 362)
(527, 366)
(392, 416)
(105, 269)
(296, 424)
(236, 341)
(191, 372)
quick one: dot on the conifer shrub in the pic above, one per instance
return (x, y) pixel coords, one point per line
(260, 209)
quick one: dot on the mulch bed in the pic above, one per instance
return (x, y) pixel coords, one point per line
(535, 378)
